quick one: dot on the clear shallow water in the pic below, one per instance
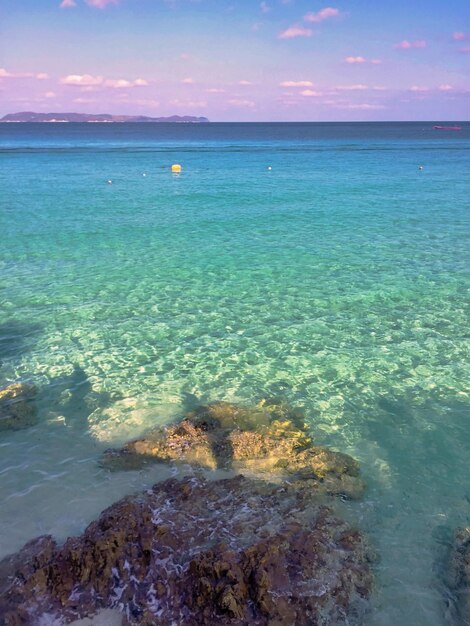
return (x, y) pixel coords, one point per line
(338, 280)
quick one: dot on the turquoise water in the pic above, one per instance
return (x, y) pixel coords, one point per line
(338, 280)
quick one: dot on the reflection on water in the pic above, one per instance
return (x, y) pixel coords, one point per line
(340, 286)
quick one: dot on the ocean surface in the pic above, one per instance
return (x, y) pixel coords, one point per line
(313, 262)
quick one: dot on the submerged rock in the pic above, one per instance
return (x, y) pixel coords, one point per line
(458, 578)
(268, 441)
(232, 552)
(16, 409)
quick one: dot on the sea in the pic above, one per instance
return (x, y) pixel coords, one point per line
(326, 264)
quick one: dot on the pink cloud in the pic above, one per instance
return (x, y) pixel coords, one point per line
(465, 50)
(188, 81)
(81, 80)
(322, 15)
(352, 60)
(296, 83)
(418, 89)
(459, 36)
(358, 87)
(189, 104)
(376, 61)
(6, 74)
(365, 106)
(245, 82)
(121, 83)
(406, 45)
(101, 4)
(215, 90)
(68, 4)
(295, 31)
(445, 87)
(309, 93)
(237, 102)
(50, 94)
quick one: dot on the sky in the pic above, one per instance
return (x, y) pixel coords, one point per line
(238, 60)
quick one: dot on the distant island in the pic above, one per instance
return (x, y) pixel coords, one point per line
(29, 116)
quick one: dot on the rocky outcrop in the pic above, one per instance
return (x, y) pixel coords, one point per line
(458, 578)
(195, 552)
(16, 409)
(268, 441)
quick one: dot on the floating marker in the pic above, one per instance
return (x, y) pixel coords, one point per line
(144, 174)
(421, 167)
(176, 168)
(110, 182)
(269, 168)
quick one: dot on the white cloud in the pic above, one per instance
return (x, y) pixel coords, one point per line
(309, 93)
(82, 80)
(296, 83)
(121, 83)
(238, 102)
(358, 87)
(360, 107)
(6, 74)
(352, 60)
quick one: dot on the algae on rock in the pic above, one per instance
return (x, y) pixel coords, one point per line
(229, 552)
(268, 441)
(16, 409)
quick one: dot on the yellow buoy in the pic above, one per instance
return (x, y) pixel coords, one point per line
(176, 168)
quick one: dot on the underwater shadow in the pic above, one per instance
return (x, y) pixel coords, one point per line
(17, 338)
(72, 397)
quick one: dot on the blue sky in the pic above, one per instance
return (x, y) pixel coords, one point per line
(238, 60)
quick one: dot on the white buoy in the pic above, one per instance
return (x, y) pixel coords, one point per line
(144, 174)
(269, 168)
(110, 182)
(421, 167)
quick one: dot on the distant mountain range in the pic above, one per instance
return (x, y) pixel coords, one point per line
(29, 116)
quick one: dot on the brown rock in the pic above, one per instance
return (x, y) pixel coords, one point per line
(16, 409)
(263, 442)
(231, 552)
(458, 577)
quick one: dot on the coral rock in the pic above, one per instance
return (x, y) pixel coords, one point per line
(264, 442)
(16, 410)
(229, 552)
(458, 578)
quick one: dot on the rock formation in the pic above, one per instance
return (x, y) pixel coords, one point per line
(16, 409)
(267, 441)
(233, 552)
(458, 578)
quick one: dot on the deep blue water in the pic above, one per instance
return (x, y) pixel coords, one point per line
(337, 279)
